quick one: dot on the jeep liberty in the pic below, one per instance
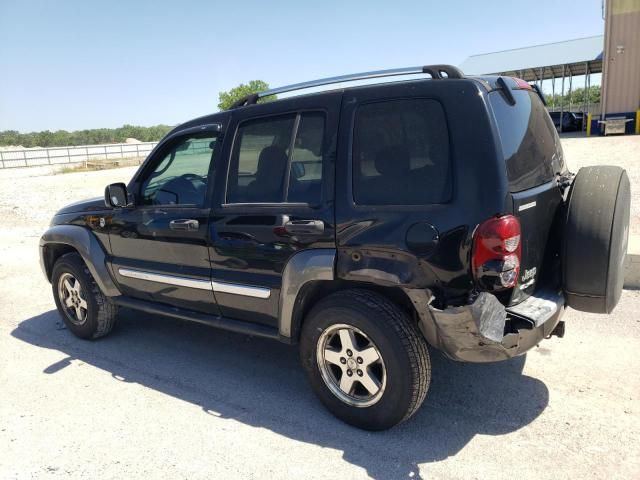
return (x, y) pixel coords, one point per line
(367, 224)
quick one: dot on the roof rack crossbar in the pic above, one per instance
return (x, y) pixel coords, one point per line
(435, 71)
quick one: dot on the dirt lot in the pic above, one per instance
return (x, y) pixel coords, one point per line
(164, 399)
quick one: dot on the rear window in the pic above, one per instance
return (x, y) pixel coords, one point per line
(401, 153)
(528, 138)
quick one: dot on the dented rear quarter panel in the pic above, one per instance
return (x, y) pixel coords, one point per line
(372, 240)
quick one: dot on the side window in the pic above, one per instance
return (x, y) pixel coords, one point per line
(305, 181)
(182, 175)
(267, 167)
(401, 153)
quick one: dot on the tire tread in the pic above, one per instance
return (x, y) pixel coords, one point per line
(408, 333)
(107, 311)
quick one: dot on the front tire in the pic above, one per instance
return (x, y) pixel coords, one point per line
(85, 310)
(365, 359)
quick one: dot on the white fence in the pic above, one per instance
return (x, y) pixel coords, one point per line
(35, 157)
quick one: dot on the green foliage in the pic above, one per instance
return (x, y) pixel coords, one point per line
(63, 138)
(226, 99)
(577, 97)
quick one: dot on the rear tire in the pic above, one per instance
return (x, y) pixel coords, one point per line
(595, 238)
(376, 327)
(85, 310)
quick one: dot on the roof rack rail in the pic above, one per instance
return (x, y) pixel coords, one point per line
(436, 72)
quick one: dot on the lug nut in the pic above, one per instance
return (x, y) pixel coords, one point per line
(343, 360)
(359, 372)
(349, 373)
(360, 360)
(349, 352)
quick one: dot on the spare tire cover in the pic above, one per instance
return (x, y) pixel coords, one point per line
(595, 238)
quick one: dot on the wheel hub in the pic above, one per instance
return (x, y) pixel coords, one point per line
(70, 294)
(351, 365)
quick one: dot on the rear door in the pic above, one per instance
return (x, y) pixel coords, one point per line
(276, 201)
(533, 157)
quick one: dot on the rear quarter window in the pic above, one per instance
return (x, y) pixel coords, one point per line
(401, 153)
(528, 138)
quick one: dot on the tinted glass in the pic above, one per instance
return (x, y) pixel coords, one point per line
(529, 141)
(263, 162)
(401, 153)
(181, 177)
(305, 180)
(259, 161)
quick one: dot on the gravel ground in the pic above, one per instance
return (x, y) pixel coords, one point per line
(163, 399)
(622, 151)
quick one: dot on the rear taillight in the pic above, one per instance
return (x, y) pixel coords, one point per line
(496, 253)
(523, 84)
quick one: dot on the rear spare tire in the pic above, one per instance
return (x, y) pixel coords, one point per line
(595, 238)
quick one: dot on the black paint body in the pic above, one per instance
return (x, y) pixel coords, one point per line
(386, 246)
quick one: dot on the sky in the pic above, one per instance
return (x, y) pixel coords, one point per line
(76, 64)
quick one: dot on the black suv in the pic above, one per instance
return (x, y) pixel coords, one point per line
(364, 224)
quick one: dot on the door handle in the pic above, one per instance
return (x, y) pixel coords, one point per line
(304, 227)
(186, 224)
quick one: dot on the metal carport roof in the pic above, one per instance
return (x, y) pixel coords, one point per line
(571, 57)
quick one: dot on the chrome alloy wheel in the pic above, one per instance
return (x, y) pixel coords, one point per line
(71, 297)
(351, 365)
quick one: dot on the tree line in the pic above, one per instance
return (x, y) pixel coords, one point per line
(63, 138)
(577, 97)
(95, 136)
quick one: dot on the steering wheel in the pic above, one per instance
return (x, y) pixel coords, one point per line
(186, 188)
(193, 176)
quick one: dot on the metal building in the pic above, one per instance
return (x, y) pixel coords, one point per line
(557, 63)
(541, 62)
(616, 55)
(621, 75)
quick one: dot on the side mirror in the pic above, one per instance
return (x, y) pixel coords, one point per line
(115, 195)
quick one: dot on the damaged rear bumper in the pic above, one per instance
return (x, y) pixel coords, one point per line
(486, 330)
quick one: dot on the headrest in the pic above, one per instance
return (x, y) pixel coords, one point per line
(272, 155)
(272, 159)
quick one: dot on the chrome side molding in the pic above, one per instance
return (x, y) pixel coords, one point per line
(167, 279)
(246, 290)
(221, 287)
